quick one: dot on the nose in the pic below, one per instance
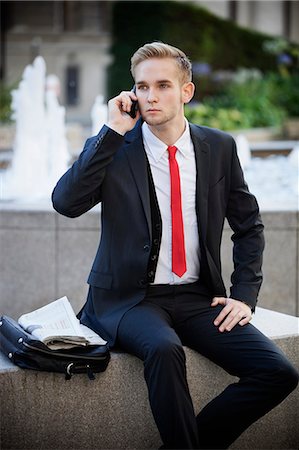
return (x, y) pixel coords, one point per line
(152, 96)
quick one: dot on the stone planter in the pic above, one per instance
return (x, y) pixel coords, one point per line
(7, 135)
(259, 134)
(291, 128)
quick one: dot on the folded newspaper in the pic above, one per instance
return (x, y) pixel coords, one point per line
(57, 326)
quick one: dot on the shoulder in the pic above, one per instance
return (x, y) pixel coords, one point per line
(211, 135)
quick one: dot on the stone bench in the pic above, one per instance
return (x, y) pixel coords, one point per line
(41, 410)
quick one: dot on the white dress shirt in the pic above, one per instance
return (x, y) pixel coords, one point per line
(158, 159)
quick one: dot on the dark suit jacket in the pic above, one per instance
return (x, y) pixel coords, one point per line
(112, 169)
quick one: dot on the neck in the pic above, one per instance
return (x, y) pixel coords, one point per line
(169, 133)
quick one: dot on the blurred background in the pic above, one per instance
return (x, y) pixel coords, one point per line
(245, 53)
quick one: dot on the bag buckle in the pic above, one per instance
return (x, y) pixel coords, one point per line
(69, 372)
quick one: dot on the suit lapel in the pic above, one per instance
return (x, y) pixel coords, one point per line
(202, 156)
(135, 152)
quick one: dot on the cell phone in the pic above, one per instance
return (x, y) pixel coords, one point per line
(134, 107)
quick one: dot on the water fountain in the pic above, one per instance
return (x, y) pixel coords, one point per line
(40, 153)
(99, 114)
(243, 149)
(273, 180)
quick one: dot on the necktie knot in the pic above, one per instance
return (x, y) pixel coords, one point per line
(172, 151)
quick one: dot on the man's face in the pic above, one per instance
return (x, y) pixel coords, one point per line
(160, 91)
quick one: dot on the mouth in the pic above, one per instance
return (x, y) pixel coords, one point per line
(152, 110)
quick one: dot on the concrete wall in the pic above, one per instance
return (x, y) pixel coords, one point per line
(45, 256)
(280, 289)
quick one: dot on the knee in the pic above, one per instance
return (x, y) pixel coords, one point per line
(284, 376)
(291, 376)
(166, 352)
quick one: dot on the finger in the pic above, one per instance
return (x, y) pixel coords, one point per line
(231, 320)
(124, 100)
(223, 314)
(219, 301)
(239, 315)
(245, 320)
(133, 95)
(130, 96)
(126, 104)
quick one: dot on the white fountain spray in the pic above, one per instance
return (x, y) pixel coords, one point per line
(40, 153)
(99, 114)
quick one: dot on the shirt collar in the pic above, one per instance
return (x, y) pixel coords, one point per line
(157, 148)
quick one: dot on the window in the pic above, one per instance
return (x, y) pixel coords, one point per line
(72, 85)
(233, 10)
(72, 15)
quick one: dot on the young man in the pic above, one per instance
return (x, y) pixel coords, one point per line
(166, 187)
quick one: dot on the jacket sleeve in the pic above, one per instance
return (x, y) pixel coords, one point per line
(248, 237)
(79, 189)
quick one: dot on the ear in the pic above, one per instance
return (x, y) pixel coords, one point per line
(188, 90)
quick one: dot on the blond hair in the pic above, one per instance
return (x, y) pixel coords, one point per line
(161, 50)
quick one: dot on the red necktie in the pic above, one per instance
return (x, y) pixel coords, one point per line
(178, 243)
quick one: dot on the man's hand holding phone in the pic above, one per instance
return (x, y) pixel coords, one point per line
(123, 112)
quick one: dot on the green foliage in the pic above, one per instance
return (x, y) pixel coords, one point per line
(219, 42)
(253, 102)
(285, 93)
(133, 25)
(5, 103)
(258, 98)
(204, 37)
(255, 99)
(287, 55)
(223, 118)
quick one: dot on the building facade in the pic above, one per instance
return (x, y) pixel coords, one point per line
(274, 17)
(74, 37)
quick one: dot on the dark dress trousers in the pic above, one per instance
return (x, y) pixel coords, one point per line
(154, 322)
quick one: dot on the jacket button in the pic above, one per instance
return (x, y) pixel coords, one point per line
(142, 282)
(146, 248)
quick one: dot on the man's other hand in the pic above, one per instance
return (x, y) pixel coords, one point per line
(233, 313)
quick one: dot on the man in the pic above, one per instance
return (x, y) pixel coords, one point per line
(166, 187)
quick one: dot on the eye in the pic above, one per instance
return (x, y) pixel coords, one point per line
(142, 88)
(164, 85)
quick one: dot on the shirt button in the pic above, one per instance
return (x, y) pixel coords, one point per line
(146, 248)
(154, 257)
(150, 274)
(142, 282)
(156, 241)
(157, 226)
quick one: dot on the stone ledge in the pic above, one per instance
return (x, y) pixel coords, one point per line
(52, 256)
(36, 213)
(42, 410)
